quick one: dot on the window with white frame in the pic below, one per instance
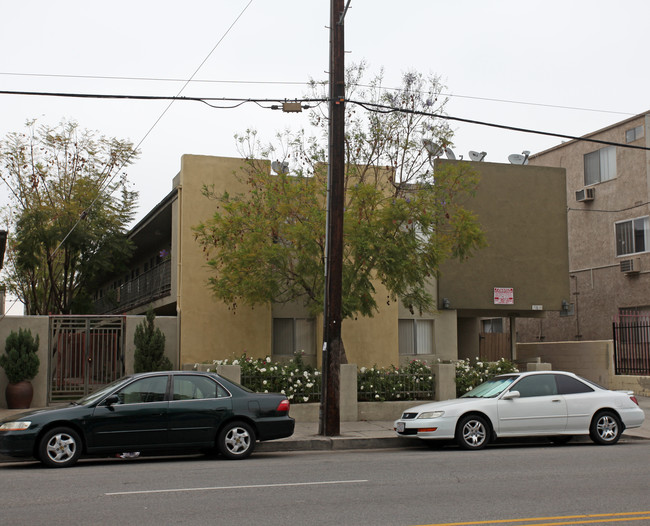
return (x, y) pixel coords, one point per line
(632, 236)
(415, 336)
(600, 165)
(292, 335)
(634, 134)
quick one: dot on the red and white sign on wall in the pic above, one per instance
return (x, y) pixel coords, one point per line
(504, 296)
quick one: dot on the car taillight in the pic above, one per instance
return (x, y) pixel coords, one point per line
(283, 406)
(633, 398)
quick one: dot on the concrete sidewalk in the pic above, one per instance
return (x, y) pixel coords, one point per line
(373, 435)
(369, 435)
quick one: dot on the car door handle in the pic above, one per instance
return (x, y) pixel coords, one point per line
(556, 401)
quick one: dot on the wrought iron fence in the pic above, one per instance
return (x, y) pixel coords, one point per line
(381, 385)
(372, 385)
(632, 344)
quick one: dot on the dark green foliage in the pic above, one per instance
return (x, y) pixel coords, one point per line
(20, 360)
(69, 206)
(150, 347)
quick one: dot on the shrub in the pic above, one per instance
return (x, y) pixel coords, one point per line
(150, 347)
(469, 375)
(302, 383)
(20, 360)
(295, 379)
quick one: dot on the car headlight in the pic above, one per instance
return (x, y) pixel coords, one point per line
(15, 426)
(431, 414)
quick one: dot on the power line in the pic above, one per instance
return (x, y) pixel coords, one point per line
(298, 83)
(108, 181)
(369, 106)
(380, 108)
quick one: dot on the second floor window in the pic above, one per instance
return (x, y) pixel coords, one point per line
(600, 165)
(632, 236)
(634, 134)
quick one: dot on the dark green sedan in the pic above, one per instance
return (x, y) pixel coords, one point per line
(170, 411)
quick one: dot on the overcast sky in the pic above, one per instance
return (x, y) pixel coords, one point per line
(563, 66)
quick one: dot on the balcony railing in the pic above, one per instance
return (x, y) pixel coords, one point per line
(147, 287)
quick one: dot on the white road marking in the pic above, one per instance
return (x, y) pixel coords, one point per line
(253, 486)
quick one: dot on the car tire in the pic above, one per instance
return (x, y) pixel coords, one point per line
(560, 440)
(59, 448)
(472, 432)
(236, 441)
(605, 428)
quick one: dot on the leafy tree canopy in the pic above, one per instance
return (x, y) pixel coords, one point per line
(69, 206)
(401, 222)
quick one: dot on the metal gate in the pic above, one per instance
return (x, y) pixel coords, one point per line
(493, 346)
(86, 353)
(632, 344)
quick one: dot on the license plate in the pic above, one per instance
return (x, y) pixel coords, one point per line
(400, 427)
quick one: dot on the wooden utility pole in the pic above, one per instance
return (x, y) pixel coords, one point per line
(332, 343)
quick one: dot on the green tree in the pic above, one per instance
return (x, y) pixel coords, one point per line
(400, 223)
(150, 347)
(69, 206)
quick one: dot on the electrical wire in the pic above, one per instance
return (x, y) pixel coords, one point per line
(369, 106)
(104, 185)
(380, 108)
(295, 83)
(608, 211)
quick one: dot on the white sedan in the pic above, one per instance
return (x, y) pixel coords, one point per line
(555, 404)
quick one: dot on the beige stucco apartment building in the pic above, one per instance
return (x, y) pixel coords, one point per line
(608, 196)
(522, 273)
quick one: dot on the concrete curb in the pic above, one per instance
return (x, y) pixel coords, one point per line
(336, 444)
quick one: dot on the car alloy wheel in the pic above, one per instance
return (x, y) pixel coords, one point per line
(472, 432)
(236, 440)
(59, 448)
(605, 428)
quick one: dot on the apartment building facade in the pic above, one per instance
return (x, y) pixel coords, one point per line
(526, 237)
(608, 218)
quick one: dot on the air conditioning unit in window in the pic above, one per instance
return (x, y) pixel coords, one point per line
(586, 194)
(631, 266)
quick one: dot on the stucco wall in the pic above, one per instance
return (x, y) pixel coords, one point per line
(167, 325)
(522, 211)
(39, 325)
(592, 360)
(209, 328)
(598, 287)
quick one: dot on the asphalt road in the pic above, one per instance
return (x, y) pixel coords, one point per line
(522, 485)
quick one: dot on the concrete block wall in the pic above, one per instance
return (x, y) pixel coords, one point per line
(591, 360)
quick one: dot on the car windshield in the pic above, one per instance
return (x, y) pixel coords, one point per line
(493, 387)
(97, 395)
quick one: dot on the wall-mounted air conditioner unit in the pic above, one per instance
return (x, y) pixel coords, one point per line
(586, 194)
(631, 266)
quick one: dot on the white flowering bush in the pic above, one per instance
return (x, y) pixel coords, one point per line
(411, 382)
(299, 382)
(470, 374)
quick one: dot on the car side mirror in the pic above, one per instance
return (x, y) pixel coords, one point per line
(111, 400)
(511, 395)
